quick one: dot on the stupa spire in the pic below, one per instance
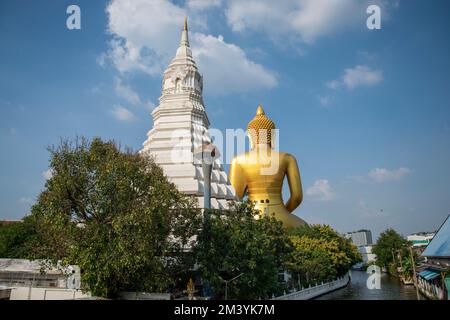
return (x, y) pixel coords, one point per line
(181, 113)
(260, 111)
(184, 35)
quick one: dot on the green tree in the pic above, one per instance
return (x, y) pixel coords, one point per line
(407, 268)
(16, 239)
(311, 261)
(113, 213)
(388, 244)
(320, 254)
(232, 243)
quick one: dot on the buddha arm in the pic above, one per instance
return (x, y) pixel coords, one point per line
(295, 184)
(237, 179)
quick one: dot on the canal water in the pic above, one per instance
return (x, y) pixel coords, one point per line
(390, 289)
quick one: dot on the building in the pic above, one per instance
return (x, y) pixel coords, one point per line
(363, 240)
(434, 275)
(421, 239)
(366, 254)
(31, 273)
(360, 237)
(180, 127)
(22, 279)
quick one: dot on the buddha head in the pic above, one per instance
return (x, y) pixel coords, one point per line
(261, 129)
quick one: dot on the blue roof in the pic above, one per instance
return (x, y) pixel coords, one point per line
(440, 244)
(429, 274)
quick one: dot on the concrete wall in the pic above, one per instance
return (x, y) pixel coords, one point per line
(144, 296)
(27, 293)
(313, 292)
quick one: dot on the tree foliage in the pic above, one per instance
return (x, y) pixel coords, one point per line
(113, 213)
(320, 254)
(232, 243)
(389, 243)
(16, 239)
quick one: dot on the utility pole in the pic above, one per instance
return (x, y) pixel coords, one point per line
(226, 284)
(414, 272)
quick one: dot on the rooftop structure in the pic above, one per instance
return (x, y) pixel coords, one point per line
(439, 247)
(421, 239)
(360, 238)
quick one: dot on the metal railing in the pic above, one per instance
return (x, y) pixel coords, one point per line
(315, 291)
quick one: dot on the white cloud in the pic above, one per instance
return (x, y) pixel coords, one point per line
(123, 114)
(227, 68)
(321, 190)
(324, 100)
(47, 174)
(146, 34)
(333, 84)
(305, 20)
(381, 175)
(203, 4)
(360, 75)
(127, 58)
(126, 92)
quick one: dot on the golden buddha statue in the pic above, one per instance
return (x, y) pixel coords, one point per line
(261, 171)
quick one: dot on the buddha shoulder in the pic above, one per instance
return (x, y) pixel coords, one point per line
(287, 157)
(240, 159)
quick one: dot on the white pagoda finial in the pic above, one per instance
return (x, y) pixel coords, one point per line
(184, 35)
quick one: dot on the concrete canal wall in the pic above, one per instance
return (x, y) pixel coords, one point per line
(313, 292)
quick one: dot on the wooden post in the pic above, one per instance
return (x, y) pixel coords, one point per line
(414, 273)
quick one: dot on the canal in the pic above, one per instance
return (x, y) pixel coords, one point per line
(390, 289)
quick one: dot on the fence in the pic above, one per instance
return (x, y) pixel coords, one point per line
(33, 293)
(313, 292)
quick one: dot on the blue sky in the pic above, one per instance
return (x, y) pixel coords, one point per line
(365, 112)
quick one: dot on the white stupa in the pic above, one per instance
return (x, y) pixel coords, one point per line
(180, 128)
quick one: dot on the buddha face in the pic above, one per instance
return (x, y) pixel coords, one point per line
(261, 129)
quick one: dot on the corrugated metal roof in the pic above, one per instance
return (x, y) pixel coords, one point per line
(440, 244)
(429, 274)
